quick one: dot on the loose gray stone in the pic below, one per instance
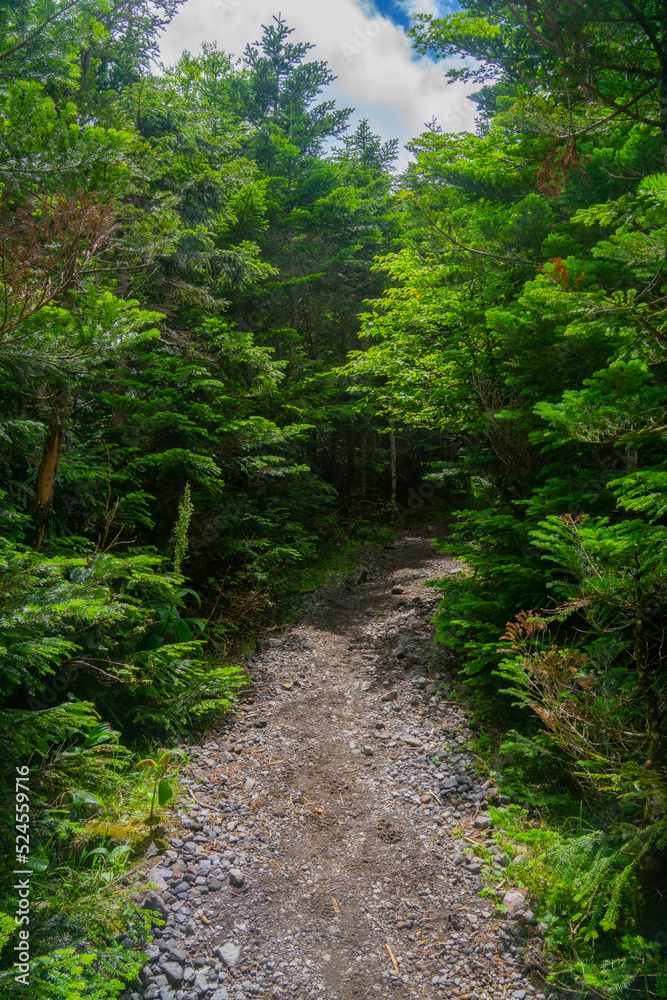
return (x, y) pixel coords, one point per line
(201, 983)
(159, 872)
(357, 576)
(515, 903)
(173, 972)
(230, 954)
(389, 696)
(236, 877)
(153, 903)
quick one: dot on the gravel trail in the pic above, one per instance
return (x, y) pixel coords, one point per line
(321, 851)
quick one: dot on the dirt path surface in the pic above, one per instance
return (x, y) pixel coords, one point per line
(322, 854)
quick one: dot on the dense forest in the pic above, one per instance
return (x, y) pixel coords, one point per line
(235, 342)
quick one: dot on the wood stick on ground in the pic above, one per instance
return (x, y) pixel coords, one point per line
(391, 956)
(204, 805)
(335, 905)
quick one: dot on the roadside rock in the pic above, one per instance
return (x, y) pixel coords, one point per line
(236, 878)
(357, 576)
(230, 954)
(517, 907)
(155, 904)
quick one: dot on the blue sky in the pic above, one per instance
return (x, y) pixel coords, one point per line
(365, 44)
(401, 11)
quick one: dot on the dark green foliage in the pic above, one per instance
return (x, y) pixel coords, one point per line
(503, 573)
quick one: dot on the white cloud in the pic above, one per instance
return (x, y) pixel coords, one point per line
(412, 7)
(377, 71)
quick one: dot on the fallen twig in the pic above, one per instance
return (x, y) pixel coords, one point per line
(391, 956)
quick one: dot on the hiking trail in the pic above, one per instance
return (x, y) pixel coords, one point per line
(320, 851)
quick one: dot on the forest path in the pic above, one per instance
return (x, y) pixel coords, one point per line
(316, 858)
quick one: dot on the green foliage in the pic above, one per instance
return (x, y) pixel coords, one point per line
(160, 765)
(525, 326)
(186, 261)
(503, 573)
(183, 258)
(66, 973)
(588, 885)
(185, 512)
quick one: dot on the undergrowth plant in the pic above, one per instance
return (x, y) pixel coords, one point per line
(160, 765)
(590, 885)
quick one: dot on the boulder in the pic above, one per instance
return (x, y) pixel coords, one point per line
(517, 907)
(153, 903)
(358, 576)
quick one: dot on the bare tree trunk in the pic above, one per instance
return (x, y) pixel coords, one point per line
(350, 462)
(654, 723)
(392, 446)
(364, 456)
(46, 477)
(631, 459)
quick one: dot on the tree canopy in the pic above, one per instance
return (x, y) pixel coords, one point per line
(233, 339)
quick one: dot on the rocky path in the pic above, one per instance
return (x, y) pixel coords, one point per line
(327, 843)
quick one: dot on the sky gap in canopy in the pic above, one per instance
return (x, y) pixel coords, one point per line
(365, 44)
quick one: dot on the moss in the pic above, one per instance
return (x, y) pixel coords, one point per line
(134, 831)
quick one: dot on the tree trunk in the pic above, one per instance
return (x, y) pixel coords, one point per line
(350, 462)
(392, 446)
(657, 756)
(46, 477)
(364, 456)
